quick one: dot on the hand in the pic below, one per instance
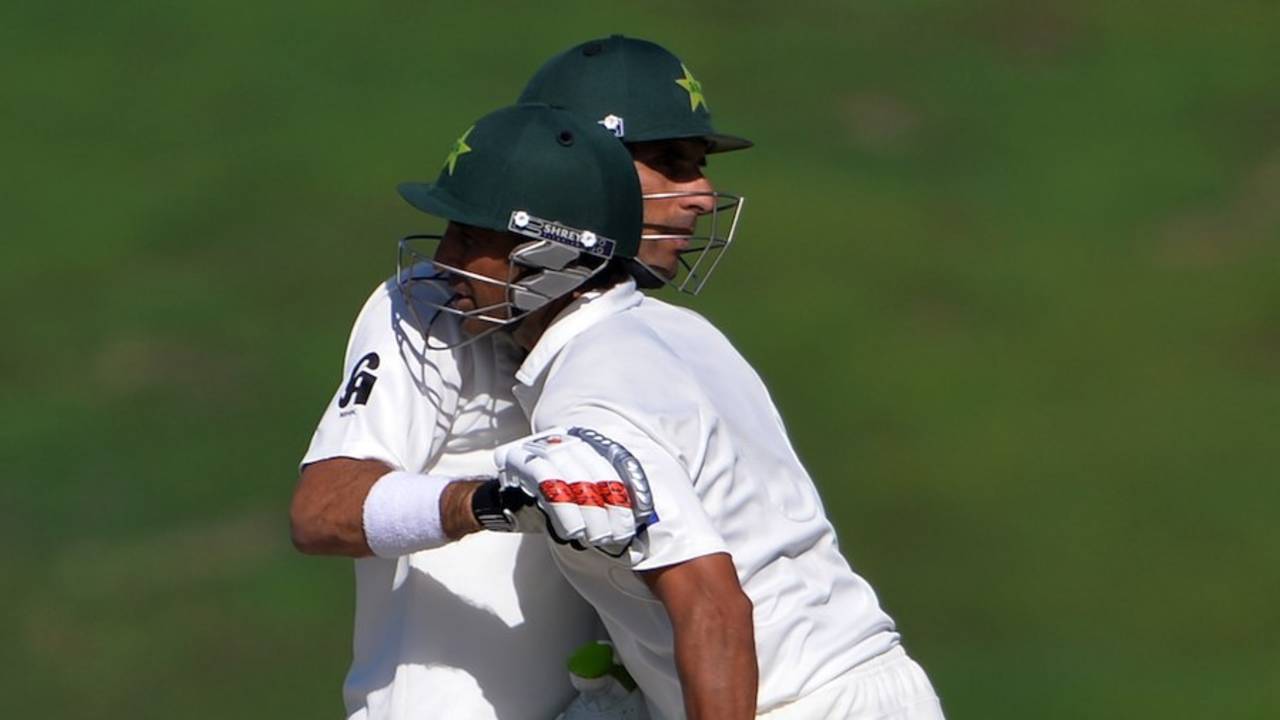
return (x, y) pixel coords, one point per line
(589, 488)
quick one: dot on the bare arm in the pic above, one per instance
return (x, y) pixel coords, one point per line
(714, 636)
(327, 513)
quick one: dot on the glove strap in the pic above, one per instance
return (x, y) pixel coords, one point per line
(489, 510)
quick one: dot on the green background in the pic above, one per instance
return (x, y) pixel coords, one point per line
(1012, 271)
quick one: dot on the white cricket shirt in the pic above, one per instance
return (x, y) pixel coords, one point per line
(478, 629)
(665, 383)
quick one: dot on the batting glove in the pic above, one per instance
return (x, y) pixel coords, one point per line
(591, 491)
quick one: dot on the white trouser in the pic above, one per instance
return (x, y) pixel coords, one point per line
(889, 687)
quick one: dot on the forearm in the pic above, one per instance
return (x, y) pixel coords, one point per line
(716, 661)
(327, 514)
(714, 635)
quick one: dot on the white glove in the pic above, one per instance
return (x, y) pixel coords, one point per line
(604, 699)
(591, 490)
(606, 691)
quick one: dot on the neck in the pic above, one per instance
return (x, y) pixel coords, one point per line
(530, 330)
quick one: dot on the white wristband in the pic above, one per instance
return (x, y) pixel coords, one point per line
(402, 514)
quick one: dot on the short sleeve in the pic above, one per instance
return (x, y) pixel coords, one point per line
(396, 397)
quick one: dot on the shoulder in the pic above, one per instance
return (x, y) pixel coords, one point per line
(392, 310)
(408, 317)
(400, 332)
(698, 340)
(627, 342)
(676, 320)
(623, 361)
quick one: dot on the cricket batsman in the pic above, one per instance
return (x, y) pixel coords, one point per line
(451, 622)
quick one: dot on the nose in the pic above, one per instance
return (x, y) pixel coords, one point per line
(699, 204)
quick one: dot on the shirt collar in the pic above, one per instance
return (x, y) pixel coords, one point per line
(580, 315)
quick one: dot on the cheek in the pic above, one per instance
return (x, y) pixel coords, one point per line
(486, 266)
(657, 211)
(652, 181)
(494, 269)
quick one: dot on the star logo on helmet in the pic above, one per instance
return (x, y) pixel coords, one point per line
(460, 148)
(694, 88)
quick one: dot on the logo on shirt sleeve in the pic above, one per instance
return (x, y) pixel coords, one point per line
(361, 382)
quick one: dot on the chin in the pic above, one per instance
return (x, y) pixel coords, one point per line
(665, 269)
(664, 272)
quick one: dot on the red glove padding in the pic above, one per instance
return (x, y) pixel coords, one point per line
(590, 489)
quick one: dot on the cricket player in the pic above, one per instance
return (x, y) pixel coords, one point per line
(478, 628)
(736, 602)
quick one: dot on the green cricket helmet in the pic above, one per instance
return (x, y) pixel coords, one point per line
(560, 185)
(641, 92)
(637, 89)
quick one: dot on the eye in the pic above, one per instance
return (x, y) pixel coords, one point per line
(681, 168)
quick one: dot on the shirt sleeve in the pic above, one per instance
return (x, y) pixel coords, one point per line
(395, 399)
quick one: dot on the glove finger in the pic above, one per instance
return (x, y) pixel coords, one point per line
(594, 514)
(579, 466)
(622, 521)
(553, 494)
(613, 493)
(626, 466)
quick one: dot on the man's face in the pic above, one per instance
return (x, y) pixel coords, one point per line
(480, 252)
(667, 166)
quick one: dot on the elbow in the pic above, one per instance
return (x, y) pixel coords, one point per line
(326, 514)
(305, 538)
(304, 543)
(306, 526)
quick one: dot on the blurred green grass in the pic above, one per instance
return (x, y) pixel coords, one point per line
(1011, 271)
